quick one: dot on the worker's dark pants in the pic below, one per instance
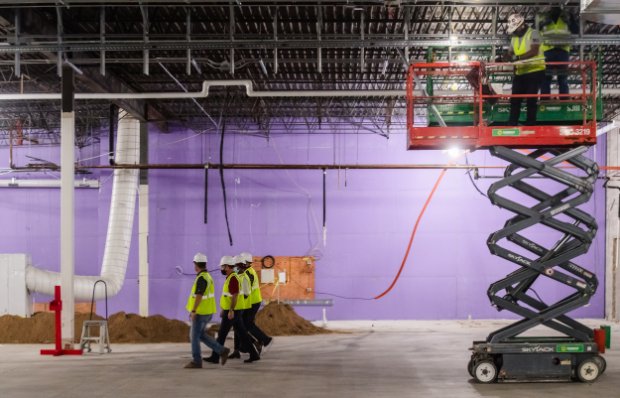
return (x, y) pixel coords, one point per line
(556, 55)
(240, 329)
(249, 318)
(528, 83)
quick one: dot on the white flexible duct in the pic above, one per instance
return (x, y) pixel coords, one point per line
(120, 223)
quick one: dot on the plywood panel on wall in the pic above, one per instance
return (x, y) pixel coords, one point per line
(299, 284)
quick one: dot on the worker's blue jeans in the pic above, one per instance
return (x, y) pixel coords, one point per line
(198, 334)
(556, 55)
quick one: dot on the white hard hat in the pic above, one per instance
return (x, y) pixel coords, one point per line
(238, 259)
(514, 22)
(200, 258)
(247, 257)
(227, 260)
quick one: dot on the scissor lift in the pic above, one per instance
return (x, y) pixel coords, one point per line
(574, 352)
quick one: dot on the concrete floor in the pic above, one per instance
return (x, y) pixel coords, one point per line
(374, 359)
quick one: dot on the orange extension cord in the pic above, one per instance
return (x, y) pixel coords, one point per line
(415, 228)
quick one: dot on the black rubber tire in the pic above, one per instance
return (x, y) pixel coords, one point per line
(470, 368)
(602, 363)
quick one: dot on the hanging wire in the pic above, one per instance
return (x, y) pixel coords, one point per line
(469, 171)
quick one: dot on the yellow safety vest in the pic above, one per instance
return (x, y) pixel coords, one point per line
(207, 304)
(521, 45)
(255, 296)
(245, 290)
(226, 298)
(556, 29)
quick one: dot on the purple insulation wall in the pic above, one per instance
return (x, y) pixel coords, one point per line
(370, 216)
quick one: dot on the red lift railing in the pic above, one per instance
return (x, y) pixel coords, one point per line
(478, 133)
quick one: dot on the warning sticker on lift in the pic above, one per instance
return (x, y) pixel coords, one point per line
(570, 348)
(505, 132)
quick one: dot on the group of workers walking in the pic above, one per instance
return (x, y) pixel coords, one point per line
(239, 303)
(531, 49)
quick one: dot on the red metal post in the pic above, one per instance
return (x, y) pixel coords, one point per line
(56, 306)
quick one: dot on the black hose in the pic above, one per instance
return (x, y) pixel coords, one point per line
(111, 134)
(206, 193)
(222, 181)
(324, 198)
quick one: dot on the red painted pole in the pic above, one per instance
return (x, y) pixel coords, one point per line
(56, 306)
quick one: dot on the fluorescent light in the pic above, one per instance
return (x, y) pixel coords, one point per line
(384, 68)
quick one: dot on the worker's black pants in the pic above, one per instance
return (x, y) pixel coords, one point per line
(244, 338)
(249, 320)
(528, 83)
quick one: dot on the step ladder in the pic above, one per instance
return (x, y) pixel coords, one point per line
(89, 327)
(102, 337)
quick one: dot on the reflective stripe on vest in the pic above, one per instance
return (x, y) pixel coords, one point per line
(255, 296)
(207, 304)
(557, 29)
(245, 288)
(226, 298)
(520, 46)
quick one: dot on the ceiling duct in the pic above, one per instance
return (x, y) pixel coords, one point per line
(602, 11)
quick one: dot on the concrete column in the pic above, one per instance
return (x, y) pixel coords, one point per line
(143, 225)
(67, 216)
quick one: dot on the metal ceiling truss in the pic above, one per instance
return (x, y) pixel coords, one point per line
(150, 46)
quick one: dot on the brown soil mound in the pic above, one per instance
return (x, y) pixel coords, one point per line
(132, 328)
(282, 320)
(274, 319)
(123, 328)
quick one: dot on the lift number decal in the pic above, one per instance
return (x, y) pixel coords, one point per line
(506, 132)
(579, 131)
(570, 348)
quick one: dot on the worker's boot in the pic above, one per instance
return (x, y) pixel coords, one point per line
(234, 355)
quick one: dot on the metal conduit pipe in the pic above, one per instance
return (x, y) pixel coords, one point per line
(249, 90)
(120, 223)
(28, 183)
(181, 166)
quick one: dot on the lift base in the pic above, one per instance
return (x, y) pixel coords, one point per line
(535, 359)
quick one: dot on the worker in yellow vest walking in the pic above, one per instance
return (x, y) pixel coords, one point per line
(232, 303)
(201, 307)
(254, 300)
(556, 24)
(529, 68)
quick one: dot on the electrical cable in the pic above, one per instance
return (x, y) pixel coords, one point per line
(230, 240)
(344, 297)
(180, 271)
(472, 179)
(415, 228)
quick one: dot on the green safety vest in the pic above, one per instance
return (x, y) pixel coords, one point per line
(255, 296)
(557, 29)
(521, 45)
(207, 304)
(226, 298)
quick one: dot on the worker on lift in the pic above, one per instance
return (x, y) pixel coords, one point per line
(556, 24)
(529, 74)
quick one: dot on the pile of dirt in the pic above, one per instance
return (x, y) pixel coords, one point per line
(274, 319)
(132, 328)
(277, 319)
(123, 328)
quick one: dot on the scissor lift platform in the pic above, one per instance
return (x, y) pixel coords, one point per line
(506, 355)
